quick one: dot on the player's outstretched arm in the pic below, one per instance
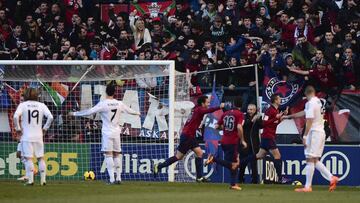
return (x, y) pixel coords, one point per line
(210, 110)
(131, 111)
(97, 108)
(296, 115)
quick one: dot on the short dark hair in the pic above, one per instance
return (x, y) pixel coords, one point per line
(309, 90)
(110, 89)
(201, 100)
(273, 97)
(272, 46)
(31, 94)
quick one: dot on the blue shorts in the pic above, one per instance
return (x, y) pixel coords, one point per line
(230, 152)
(268, 144)
(187, 143)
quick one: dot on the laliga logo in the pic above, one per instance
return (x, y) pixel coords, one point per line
(334, 161)
(286, 90)
(190, 169)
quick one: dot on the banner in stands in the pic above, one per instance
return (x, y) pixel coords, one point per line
(152, 9)
(342, 161)
(289, 92)
(345, 118)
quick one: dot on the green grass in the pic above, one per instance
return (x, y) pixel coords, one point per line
(88, 192)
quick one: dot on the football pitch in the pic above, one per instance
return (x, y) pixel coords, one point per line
(146, 192)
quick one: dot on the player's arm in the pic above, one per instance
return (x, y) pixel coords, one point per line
(49, 118)
(300, 72)
(130, 111)
(17, 115)
(97, 108)
(296, 115)
(210, 110)
(309, 115)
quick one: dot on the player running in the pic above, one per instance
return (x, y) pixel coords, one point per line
(31, 132)
(187, 138)
(314, 140)
(231, 122)
(271, 120)
(110, 110)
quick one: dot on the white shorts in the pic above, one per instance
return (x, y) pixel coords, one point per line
(315, 143)
(29, 149)
(110, 144)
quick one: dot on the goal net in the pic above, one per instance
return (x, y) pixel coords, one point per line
(72, 144)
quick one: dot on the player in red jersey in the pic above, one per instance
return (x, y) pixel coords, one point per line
(271, 120)
(231, 122)
(188, 140)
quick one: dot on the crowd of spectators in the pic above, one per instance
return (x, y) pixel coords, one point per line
(315, 39)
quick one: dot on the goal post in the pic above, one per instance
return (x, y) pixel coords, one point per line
(145, 85)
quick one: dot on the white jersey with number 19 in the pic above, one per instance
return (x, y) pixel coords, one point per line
(32, 113)
(110, 110)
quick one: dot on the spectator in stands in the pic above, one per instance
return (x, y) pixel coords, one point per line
(321, 74)
(350, 69)
(303, 52)
(302, 29)
(234, 47)
(269, 57)
(218, 30)
(329, 48)
(205, 79)
(140, 32)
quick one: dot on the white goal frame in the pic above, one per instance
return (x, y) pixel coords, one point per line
(170, 64)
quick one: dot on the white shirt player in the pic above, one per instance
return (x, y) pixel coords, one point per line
(313, 109)
(32, 113)
(110, 110)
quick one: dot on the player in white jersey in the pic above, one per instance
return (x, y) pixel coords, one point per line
(31, 132)
(110, 110)
(314, 140)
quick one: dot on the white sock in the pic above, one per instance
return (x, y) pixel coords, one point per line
(110, 167)
(323, 170)
(42, 168)
(310, 168)
(118, 167)
(29, 168)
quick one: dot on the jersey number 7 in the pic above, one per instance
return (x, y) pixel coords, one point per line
(114, 111)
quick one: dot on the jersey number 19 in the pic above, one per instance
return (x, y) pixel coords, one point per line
(33, 114)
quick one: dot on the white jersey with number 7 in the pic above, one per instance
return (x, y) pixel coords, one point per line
(110, 110)
(32, 113)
